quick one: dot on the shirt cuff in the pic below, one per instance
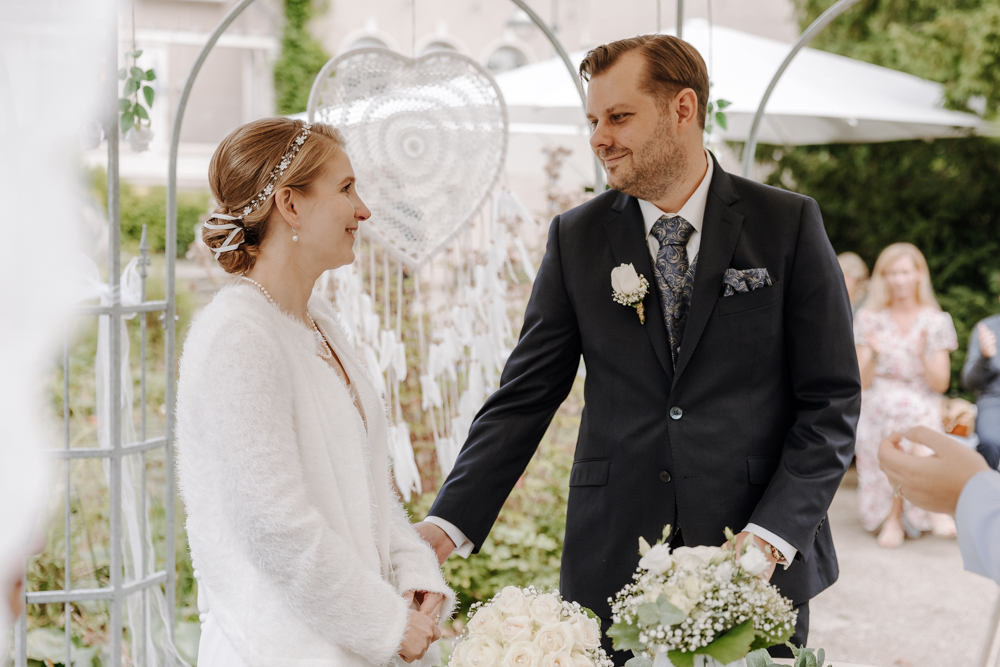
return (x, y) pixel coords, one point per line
(463, 546)
(786, 549)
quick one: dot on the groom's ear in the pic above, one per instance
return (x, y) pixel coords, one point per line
(685, 105)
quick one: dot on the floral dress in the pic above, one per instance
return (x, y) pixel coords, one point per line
(897, 399)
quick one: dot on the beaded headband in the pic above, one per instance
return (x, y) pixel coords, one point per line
(259, 199)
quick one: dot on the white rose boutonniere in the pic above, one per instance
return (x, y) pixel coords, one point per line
(629, 289)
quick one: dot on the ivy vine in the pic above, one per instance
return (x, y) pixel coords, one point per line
(302, 57)
(131, 111)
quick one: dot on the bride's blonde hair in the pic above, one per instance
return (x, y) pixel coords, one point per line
(879, 294)
(241, 166)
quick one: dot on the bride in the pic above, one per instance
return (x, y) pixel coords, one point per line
(303, 553)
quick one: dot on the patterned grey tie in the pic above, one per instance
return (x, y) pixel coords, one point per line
(674, 277)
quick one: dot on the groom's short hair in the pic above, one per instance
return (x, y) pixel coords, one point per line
(671, 66)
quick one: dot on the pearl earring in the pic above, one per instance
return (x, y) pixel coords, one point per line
(295, 235)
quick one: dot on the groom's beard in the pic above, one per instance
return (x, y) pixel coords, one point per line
(655, 168)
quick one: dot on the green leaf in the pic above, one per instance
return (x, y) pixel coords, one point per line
(130, 87)
(122, 74)
(149, 94)
(759, 658)
(625, 637)
(124, 104)
(639, 661)
(137, 73)
(722, 104)
(136, 54)
(127, 122)
(140, 111)
(591, 615)
(649, 614)
(720, 118)
(733, 645)
(669, 614)
(150, 75)
(681, 659)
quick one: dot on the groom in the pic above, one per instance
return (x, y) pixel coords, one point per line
(734, 405)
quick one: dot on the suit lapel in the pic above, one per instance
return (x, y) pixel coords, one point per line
(719, 234)
(627, 236)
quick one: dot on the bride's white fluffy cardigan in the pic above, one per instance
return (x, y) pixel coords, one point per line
(302, 547)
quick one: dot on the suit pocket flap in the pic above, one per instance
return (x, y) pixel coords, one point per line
(590, 473)
(739, 302)
(760, 469)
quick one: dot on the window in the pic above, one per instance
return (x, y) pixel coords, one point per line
(369, 40)
(437, 45)
(505, 58)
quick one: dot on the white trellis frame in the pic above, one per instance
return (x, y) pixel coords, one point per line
(113, 314)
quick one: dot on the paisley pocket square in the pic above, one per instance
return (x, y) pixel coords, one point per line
(744, 280)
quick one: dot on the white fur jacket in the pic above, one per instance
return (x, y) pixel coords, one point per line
(302, 548)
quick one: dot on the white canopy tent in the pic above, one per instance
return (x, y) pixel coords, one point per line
(822, 98)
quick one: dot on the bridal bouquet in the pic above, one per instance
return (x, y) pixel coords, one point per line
(528, 628)
(699, 601)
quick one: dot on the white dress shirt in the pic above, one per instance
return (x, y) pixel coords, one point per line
(978, 519)
(693, 211)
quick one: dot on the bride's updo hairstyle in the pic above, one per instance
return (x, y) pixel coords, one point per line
(241, 168)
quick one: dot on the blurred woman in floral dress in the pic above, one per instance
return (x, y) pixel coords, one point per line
(903, 340)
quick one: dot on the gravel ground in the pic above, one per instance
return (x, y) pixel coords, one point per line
(910, 607)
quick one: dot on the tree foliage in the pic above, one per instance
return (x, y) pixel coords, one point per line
(302, 57)
(942, 196)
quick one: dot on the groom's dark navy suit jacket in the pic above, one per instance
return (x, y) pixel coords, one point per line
(756, 425)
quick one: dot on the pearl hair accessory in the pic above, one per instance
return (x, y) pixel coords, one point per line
(258, 199)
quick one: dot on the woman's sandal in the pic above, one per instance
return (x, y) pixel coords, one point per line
(891, 536)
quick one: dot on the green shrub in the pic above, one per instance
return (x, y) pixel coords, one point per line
(148, 206)
(302, 57)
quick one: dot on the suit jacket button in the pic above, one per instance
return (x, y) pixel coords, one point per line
(676, 412)
(664, 476)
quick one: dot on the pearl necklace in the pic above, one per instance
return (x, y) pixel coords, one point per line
(325, 351)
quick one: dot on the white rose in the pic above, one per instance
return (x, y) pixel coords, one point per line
(556, 637)
(523, 654)
(624, 279)
(691, 587)
(724, 572)
(688, 558)
(558, 659)
(139, 138)
(657, 560)
(486, 621)
(681, 601)
(511, 602)
(753, 561)
(546, 609)
(580, 660)
(587, 632)
(479, 651)
(515, 629)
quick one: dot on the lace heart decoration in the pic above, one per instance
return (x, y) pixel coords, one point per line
(427, 138)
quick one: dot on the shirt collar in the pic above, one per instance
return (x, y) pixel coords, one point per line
(693, 209)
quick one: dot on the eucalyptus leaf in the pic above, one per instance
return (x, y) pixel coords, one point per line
(759, 658)
(681, 659)
(649, 614)
(149, 94)
(820, 657)
(625, 637)
(669, 614)
(720, 118)
(733, 645)
(639, 661)
(150, 75)
(140, 111)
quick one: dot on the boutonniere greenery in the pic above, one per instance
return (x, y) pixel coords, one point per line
(629, 289)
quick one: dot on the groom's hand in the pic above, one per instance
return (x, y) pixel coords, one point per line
(764, 546)
(437, 538)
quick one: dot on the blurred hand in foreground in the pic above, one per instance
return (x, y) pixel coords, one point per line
(931, 482)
